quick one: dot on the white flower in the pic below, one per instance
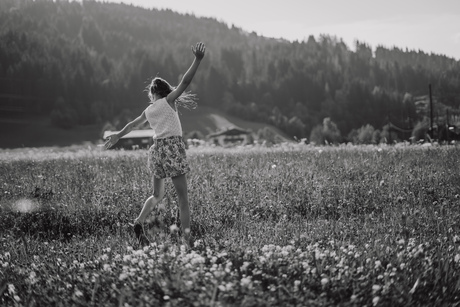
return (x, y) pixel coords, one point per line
(123, 276)
(11, 289)
(32, 277)
(324, 281)
(245, 281)
(457, 258)
(173, 228)
(78, 293)
(376, 288)
(375, 300)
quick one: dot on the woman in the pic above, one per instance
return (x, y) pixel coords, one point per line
(167, 157)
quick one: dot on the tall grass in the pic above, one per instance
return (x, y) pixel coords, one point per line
(281, 226)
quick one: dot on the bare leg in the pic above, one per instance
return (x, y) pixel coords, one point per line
(180, 183)
(152, 201)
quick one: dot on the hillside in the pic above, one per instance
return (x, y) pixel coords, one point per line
(39, 132)
(87, 63)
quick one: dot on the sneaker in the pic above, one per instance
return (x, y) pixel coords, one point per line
(140, 236)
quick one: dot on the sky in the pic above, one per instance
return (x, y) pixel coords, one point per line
(430, 26)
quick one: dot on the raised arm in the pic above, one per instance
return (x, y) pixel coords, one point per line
(113, 139)
(198, 51)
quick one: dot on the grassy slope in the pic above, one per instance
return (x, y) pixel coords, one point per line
(38, 132)
(208, 120)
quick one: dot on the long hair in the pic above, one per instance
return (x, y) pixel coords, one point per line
(162, 88)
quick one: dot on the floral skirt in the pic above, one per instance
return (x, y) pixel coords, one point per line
(167, 157)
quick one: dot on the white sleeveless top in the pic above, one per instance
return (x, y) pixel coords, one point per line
(163, 119)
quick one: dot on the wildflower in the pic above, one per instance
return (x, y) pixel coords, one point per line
(32, 277)
(11, 289)
(273, 166)
(378, 264)
(324, 281)
(107, 267)
(245, 281)
(173, 228)
(375, 300)
(166, 297)
(376, 288)
(457, 258)
(78, 293)
(197, 243)
(123, 276)
(353, 298)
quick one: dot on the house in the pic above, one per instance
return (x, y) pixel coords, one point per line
(134, 140)
(230, 136)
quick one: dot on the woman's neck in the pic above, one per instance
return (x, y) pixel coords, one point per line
(156, 97)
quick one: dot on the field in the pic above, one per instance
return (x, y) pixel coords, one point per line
(283, 226)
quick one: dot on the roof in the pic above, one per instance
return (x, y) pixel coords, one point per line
(229, 131)
(134, 134)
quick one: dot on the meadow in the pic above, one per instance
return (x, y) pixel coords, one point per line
(292, 225)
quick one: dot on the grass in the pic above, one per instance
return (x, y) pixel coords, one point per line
(290, 225)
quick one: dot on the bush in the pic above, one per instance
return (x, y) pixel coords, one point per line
(420, 130)
(328, 133)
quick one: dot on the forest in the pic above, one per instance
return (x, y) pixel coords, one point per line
(89, 62)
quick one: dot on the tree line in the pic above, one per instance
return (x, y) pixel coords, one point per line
(89, 62)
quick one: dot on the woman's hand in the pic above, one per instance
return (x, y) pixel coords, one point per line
(198, 50)
(111, 140)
